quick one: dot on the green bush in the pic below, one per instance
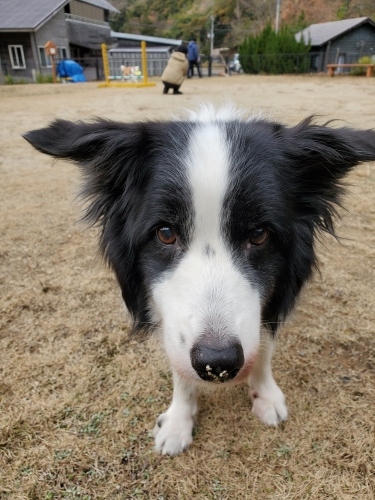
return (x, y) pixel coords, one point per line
(41, 78)
(361, 71)
(10, 80)
(274, 53)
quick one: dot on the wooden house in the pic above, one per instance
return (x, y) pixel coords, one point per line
(339, 42)
(77, 28)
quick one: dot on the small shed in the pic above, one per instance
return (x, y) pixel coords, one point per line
(339, 42)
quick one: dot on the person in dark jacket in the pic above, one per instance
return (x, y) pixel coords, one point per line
(193, 58)
(175, 71)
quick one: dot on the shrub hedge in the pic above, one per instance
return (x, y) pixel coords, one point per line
(274, 53)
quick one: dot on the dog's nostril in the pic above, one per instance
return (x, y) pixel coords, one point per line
(217, 365)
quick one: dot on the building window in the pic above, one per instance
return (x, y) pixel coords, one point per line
(62, 53)
(45, 61)
(17, 57)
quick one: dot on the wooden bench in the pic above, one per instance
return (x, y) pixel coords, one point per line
(369, 68)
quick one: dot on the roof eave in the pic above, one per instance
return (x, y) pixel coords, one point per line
(155, 39)
(16, 30)
(112, 9)
(51, 15)
(365, 20)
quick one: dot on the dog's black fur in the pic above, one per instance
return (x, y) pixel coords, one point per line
(286, 177)
(210, 227)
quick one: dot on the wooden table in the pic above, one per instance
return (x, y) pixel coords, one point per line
(369, 68)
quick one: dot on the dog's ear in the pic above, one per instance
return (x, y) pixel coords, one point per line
(77, 141)
(317, 159)
(321, 157)
(113, 159)
(107, 153)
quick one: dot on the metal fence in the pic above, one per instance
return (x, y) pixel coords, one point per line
(156, 61)
(312, 62)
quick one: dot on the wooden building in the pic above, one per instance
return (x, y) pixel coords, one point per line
(339, 42)
(77, 27)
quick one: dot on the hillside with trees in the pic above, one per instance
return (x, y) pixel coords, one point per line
(233, 19)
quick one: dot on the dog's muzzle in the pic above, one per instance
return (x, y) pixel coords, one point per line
(217, 365)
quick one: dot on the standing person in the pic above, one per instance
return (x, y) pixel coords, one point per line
(193, 58)
(175, 71)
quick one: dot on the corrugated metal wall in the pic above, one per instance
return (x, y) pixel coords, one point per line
(85, 10)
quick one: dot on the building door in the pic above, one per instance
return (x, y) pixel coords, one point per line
(341, 60)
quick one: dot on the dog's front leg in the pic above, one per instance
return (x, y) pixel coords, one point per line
(267, 397)
(174, 428)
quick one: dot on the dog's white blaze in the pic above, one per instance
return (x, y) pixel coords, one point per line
(207, 163)
(206, 292)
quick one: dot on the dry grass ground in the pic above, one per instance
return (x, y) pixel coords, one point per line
(78, 399)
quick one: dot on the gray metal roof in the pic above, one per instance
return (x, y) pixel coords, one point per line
(150, 39)
(322, 33)
(27, 15)
(103, 4)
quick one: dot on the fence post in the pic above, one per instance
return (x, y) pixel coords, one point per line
(97, 69)
(105, 62)
(144, 62)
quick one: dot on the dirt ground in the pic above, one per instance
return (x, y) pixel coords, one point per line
(78, 398)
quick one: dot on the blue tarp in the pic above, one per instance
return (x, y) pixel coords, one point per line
(70, 69)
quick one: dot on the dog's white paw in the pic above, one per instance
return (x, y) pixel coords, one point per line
(269, 405)
(173, 433)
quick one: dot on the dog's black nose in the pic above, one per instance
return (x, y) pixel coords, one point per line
(217, 365)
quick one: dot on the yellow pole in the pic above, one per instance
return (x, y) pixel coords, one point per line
(144, 62)
(105, 62)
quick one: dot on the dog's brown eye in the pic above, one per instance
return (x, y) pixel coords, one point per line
(258, 235)
(166, 235)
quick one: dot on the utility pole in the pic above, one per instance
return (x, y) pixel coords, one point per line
(212, 35)
(278, 2)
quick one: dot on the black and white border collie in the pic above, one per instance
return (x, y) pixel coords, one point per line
(209, 224)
